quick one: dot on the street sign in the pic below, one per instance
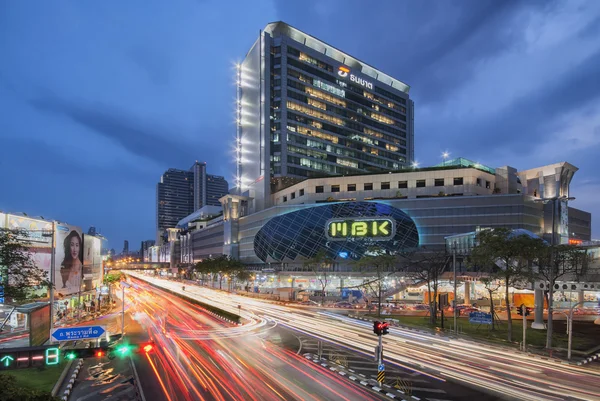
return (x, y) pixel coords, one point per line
(1, 293)
(381, 377)
(78, 333)
(480, 318)
(381, 368)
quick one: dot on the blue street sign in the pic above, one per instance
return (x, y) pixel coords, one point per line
(1, 300)
(480, 318)
(381, 368)
(78, 333)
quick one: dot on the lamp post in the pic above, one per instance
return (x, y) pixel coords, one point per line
(52, 267)
(454, 300)
(445, 156)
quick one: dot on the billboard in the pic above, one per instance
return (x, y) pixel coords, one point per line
(92, 262)
(69, 259)
(33, 230)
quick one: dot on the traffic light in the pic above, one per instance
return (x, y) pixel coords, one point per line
(527, 311)
(122, 351)
(524, 310)
(97, 352)
(520, 310)
(381, 328)
(385, 328)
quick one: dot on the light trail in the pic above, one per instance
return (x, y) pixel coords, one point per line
(498, 369)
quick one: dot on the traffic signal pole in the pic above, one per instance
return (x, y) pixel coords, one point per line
(380, 349)
(524, 311)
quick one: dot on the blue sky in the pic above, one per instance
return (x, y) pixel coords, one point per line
(97, 99)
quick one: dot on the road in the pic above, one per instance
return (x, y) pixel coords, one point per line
(499, 371)
(198, 357)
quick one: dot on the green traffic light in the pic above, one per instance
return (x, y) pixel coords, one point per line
(124, 349)
(71, 355)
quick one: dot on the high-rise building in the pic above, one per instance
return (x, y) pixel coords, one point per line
(216, 187)
(125, 247)
(180, 193)
(92, 230)
(174, 199)
(208, 189)
(145, 246)
(306, 109)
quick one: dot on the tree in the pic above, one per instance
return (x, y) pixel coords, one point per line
(553, 263)
(377, 260)
(492, 285)
(428, 265)
(18, 273)
(506, 257)
(321, 264)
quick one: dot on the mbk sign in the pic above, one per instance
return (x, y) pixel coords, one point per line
(344, 72)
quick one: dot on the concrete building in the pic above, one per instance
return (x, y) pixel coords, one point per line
(425, 206)
(307, 109)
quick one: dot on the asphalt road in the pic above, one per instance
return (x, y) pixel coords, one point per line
(497, 371)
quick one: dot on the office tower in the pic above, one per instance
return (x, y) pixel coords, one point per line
(216, 187)
(125, 247)
(306, 109)
(174, 199)
(208, 189)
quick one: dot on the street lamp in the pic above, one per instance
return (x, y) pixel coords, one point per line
(445, 156)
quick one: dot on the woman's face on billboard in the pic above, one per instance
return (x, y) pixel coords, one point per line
(75, 248)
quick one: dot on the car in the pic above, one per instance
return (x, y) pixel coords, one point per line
(343, 305)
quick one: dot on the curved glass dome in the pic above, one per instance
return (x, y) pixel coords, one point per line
(301, 234)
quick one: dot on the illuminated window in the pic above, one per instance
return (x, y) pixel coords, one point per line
(376, 107)
(351, 187)
(374, 151)
(314, 113)
(318, 134)
(363, 139)
(390, 105)
(307, 58)
(381, 118)
(368, 95)
(371, 132)
(329, 88)
(391, 147)
(335, 188)
(385, 185)
(348, 163)
(317, 104)
(324, 96)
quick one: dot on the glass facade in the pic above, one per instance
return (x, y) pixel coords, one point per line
(302, 233)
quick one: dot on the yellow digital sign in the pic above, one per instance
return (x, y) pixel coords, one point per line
(374, 228)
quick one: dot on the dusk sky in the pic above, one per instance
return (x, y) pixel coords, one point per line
(99, 98)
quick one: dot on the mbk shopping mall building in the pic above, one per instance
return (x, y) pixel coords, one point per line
(324, 154)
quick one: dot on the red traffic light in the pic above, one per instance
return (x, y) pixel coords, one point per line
(380, 328)
(100, 353)
(149, 347)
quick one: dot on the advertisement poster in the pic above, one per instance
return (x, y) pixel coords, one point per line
(33, 230)
(92, 262)
(69, 259)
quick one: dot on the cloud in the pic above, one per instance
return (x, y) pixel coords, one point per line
(142, 138)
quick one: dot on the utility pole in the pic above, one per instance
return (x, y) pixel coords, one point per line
(570, 326)
(524, 311)
(52, 269)
(454, 300)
